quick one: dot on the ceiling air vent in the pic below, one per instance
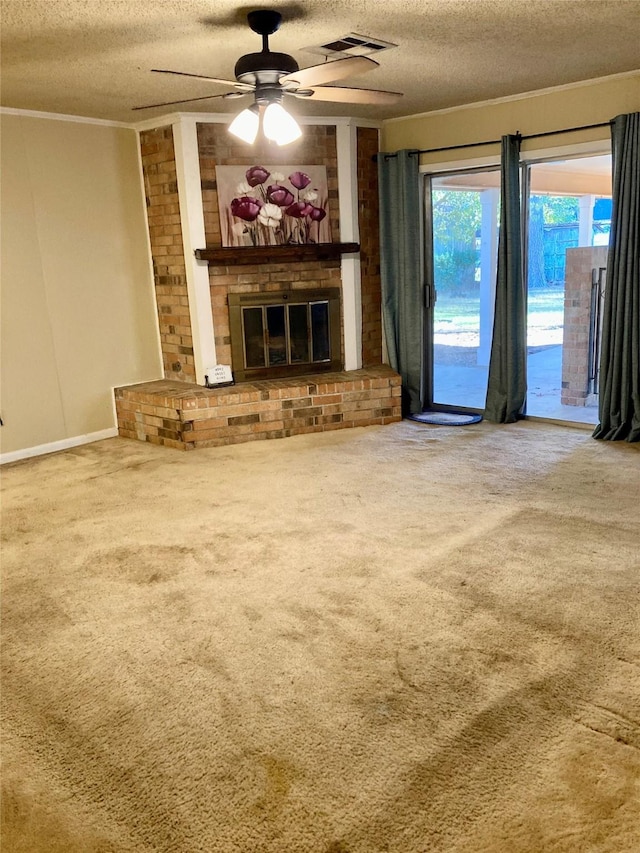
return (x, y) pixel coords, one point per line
(351, 45)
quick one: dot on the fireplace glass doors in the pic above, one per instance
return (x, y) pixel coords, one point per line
(284, 334)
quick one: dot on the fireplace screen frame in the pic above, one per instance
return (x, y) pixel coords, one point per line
(238, 302)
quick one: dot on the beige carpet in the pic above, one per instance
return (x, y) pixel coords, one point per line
(403, 639)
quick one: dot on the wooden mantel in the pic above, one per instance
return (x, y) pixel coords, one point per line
(276, 254)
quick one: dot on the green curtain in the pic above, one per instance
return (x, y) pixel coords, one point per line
(400, 270)
(619, 403)
(507, 382)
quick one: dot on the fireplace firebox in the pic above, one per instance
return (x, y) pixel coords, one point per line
(287, 333)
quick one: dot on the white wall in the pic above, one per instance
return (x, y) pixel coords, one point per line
(78, 310)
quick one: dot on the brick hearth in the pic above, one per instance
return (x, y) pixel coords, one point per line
(186, 416)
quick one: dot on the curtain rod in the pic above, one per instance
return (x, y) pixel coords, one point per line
(497, 141)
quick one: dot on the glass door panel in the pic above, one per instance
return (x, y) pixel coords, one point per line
(299, 333)
(320, 343)
(277, 334)
(569, 215)
(465, 217)
(253, 334)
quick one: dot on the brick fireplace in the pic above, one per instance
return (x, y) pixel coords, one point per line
(194, 298)
(215, 148)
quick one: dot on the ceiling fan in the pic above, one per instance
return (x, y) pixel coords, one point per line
(269, 76)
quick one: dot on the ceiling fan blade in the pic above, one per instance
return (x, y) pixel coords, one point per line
(246, 86)
(190, 100)
(338, 69)
(347, 95)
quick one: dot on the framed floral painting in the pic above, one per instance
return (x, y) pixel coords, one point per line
(273, 205)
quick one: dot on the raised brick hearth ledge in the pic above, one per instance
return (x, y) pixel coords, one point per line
(185, 416)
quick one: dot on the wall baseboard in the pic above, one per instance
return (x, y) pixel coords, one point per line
(55, 446)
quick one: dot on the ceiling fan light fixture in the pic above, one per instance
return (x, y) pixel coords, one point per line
(245, 125)
(279, 126)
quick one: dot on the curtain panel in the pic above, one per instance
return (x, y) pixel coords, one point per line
(507, 382)
(401, 270)
(619, 400)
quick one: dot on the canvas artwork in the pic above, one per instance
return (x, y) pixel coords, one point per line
(273, 205)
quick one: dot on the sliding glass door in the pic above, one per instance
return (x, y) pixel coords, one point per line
(568, 205)
(566, 213)
(464, 216)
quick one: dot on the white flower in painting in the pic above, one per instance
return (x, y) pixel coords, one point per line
(244, 188)
(277, 177)
(310, 195)
(270, 214)
(238, 228)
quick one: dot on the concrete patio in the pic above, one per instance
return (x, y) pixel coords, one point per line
(465, 386)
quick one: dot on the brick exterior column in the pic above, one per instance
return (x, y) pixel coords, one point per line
(577, 314)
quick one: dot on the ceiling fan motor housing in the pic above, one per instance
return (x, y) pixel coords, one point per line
(264, 67)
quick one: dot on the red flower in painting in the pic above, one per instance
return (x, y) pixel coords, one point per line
(279, 195)
(257, 175)
(300, 180)
(299, 209)
(317, 214)
(246, 208)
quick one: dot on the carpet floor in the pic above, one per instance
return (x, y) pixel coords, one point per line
(400, 639)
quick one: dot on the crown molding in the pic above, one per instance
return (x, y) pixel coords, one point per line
(13, 111)
(507, 99)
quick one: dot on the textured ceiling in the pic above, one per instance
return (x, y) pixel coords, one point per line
(93, 57)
